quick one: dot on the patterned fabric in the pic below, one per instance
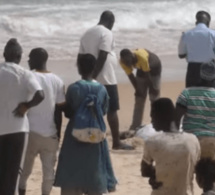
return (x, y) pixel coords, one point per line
(200, 115)
(175, 156)
(84, 166)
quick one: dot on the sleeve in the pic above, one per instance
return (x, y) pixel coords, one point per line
(146, 154)
(106, 42)
(128, 70)
(182, 46)
(81, 48)
(182, 98)
(31, 81)
(60, 98)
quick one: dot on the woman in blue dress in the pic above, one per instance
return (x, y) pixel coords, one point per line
(84, 168)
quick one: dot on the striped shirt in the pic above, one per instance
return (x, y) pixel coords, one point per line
(200, 116)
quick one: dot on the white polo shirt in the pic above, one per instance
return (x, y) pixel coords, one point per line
(16, 85)
(41, 117)
(100, 38)
(198, 44)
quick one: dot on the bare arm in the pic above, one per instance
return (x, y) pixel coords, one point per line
(100, 63)
(22, 108)
(180, 111)
(58, 118)
(181, 56)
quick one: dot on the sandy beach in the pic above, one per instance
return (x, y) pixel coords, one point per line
(126, 163)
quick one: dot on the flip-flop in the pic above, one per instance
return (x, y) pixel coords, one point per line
(127, 134)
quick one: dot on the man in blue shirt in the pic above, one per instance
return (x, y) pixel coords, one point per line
(197, 46)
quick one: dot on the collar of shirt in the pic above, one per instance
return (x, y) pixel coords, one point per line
(201, 25)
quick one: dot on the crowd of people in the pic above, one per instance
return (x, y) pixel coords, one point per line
(32, 103)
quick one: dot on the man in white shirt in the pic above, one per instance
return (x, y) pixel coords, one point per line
(45, 123)
(99, 42)
(17, 85)
(197, 46)
(170, 156)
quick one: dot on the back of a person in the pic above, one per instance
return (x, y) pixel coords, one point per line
(41, 117)
(200, 116)
(91, 40)
(80, 89)
(200, 44)
(175, 155)
(14, 91)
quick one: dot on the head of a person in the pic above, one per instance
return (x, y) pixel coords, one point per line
(203, 17)
(127, 57)
(207, 74)
(107, 19)
(86, 65)
(38, 58)
(13, 51)
(162, 114)
(205, 173)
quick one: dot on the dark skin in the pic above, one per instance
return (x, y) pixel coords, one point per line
(130, 61)
(202, 18)
(41, 67)
(112, 117)
(148, 170)
(23, 107)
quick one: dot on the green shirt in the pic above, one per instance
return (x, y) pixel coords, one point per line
(200, 116)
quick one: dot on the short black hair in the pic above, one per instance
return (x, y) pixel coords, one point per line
(107, 15)
(164, 109)
(38, 56)
(12, 50)
(200, 15)
(86, 64)
(125, 52)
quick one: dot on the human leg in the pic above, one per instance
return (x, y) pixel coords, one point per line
(112, 117)
(154, 88)
(32, 151)
(14, 146)
(48, 158)
(193, 74)
(71, 191)
(139, 105)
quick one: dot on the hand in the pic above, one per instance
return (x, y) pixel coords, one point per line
(155, 184)
(21, 109)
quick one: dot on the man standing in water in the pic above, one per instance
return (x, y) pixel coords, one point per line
(99, 42)
(197, 46)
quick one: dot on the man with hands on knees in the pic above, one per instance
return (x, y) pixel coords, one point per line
(147, 79)
(17, 85)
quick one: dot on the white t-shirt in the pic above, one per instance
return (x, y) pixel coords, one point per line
(41, 117)
(16, 85)
(100, 38)
(175, 156)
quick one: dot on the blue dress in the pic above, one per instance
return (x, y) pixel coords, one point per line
(82, 165)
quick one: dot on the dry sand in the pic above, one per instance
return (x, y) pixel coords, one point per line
(126, 163)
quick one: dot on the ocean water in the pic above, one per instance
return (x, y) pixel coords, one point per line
(57, 25)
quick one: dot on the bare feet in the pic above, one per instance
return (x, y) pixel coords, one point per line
(122, 146)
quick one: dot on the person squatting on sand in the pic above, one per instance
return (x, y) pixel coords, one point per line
(147, 79)
(16, 85)
(174, 153)
(84, 168)
(197, 105)
(205, 175)
(45, 123)
(99, 42)
(197, 46)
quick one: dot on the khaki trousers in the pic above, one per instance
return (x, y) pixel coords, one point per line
(47, 148)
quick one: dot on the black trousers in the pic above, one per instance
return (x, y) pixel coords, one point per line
(193, 74)
(12, 153)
